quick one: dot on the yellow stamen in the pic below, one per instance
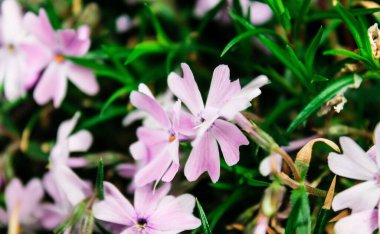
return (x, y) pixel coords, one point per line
(171, 138)
(59, 58)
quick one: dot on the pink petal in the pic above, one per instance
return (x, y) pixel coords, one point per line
(51, 187)
(13, 194)
(203, 6)
(3, 216)
(221, 88)
(265, 165)
(12, 26)
(186, 89)
(155, 169)
(40, 27)
(203, 157)
(77, 162)
(67, 127)
(52, 86)
(377, 144)
(364, 222)
(151, 106)
(344, 166)
(33, 194)
(152, 137)
(174, 167)
(147, 200)
(14, 84)
(73, 43)
(51, 216)
(138, 150)
(83, 78)
(175, 216)
(80, 141)
(260, 13)
(69, 183)
(230, 138)
(360, 197)
(115, 208)
(126, 170)
(357, 154)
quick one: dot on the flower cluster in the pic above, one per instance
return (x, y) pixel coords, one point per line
(34, 54)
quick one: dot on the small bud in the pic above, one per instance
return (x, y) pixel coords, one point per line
(273, 197)
(86, 225)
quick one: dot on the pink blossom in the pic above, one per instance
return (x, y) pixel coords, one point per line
(53, 82)
(123, 23)
(260, 12)
(163, 142)
(153, 211)
(225, 100)
(74, 188)
(22, 202)
(364, 222)
(18, 67)
(355, 163)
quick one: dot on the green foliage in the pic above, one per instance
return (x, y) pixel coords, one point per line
(299, 221)
(203, 217)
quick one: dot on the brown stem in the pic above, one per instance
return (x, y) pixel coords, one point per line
(288, 161)
(295, 185)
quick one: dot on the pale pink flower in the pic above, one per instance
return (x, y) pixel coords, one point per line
(66, 42)
(225, 100)
(22, 203)
(152, 212)
(364, 222)
(18, 52)
(159, 147)
(123, 23)
(74, 188)
(260, 12)
(355, 163)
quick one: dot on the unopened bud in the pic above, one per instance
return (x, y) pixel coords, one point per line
(273, 197)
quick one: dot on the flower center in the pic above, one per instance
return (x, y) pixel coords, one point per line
(172, 138)
(59, 58)
(11, 48)
(141, 224)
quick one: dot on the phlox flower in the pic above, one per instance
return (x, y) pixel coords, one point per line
(260, 12)
(74, 188)
(66, 42)
(225, 100)
(355, 163)
(152, 212)
(18, 68)
(159, 147)
(22, 203)
(364, 222)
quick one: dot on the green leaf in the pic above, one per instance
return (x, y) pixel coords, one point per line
(348, 54)
(281, 12)
(115, 96)
(73, 219)
(299, 220)
(245, 35)
(100, 181)
(312, 49)
(319, 100)
(52, 15)
(333, 14)
(322, 220)
(146, 47)
(110, 114)
(161, 35)
(205, 225)
(358, 31)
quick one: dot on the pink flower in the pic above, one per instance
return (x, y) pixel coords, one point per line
(162, 142)
(260, 12)
(364, 222)
(18, 68)
(225, 100)
(123, 23)
(153, 211)
(22, 203)
(67, 42)
(73, 187)
(355, 163)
